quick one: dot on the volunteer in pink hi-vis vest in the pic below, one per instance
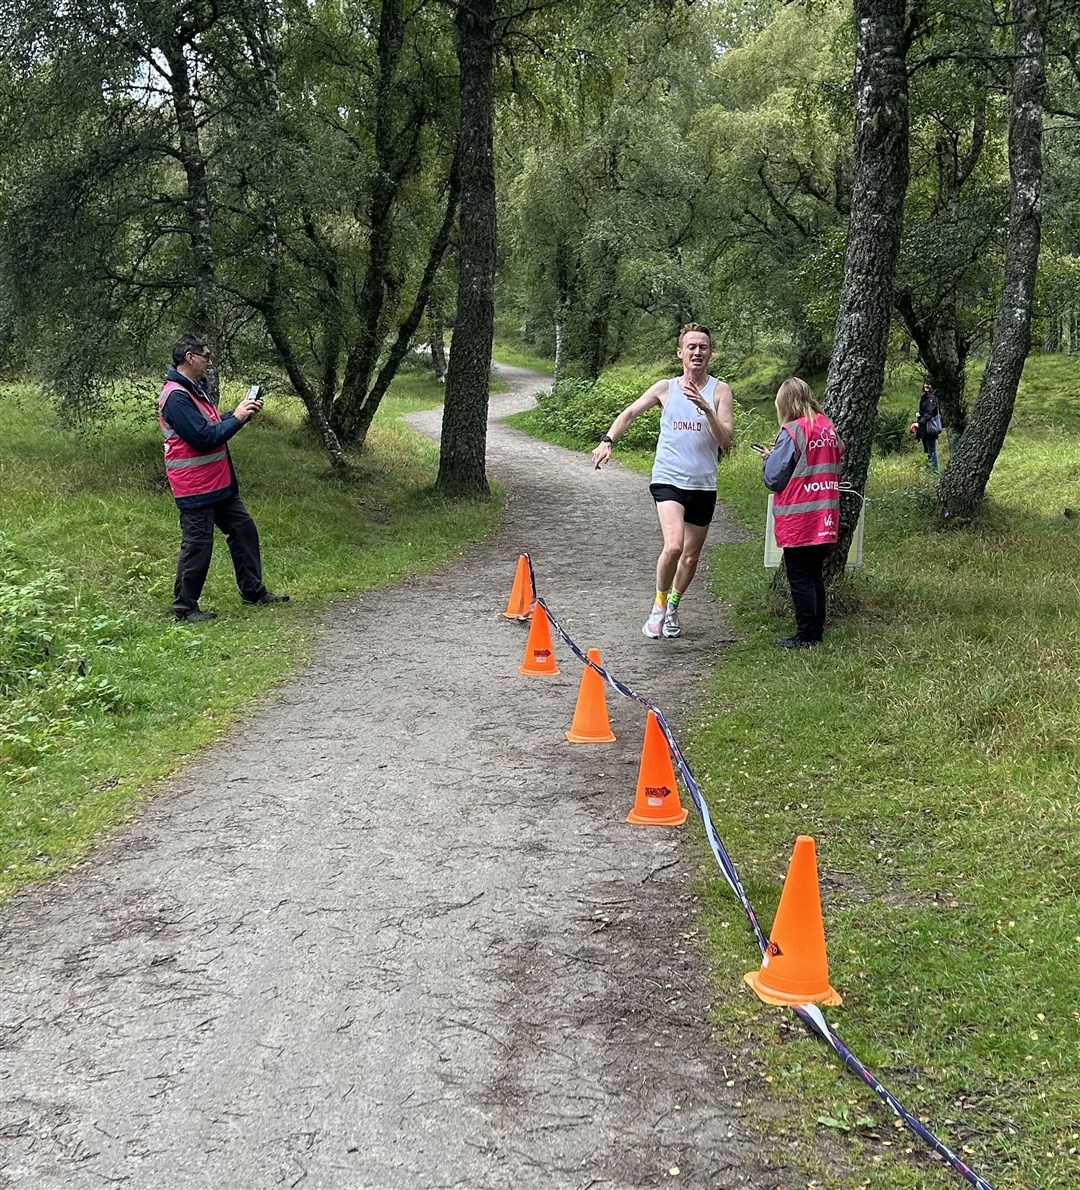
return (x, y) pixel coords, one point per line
(803, 468)
(203, 482)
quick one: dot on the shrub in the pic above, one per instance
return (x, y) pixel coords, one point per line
(26, 626)
(49, 643)
(891, 431)
(759, 375)
(583, 410)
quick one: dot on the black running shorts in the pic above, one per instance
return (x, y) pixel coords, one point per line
(698, 505)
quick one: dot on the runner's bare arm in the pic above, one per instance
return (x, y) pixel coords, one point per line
(718, 412)
(650, 397)
(722, 422)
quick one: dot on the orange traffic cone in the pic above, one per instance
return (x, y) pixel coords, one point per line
(519, 606)
(656, 802)
(591, 725)
(794, 968)
(539, 659)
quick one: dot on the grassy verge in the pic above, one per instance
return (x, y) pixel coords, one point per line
(519, 357)
(102, 693)
(930, 747)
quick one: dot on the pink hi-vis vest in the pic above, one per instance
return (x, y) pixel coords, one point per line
(807, 511)
(192, 472)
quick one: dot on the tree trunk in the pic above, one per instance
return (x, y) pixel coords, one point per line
(462, 459)
(1052, 336)
(386, 180)
(943, 353)
(264, 55)
(275, 327)
(562, 307)
(438, 348)
(317, 418)
(597, 343)
(947, 370)
(943, 347)
(857, 367)
(197, 199)
(963, 484)
(332, 337)
(370, 405)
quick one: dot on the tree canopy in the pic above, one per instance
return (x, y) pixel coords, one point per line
(288, 179)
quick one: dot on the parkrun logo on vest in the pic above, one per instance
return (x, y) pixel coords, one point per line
(821, 485)
(686, 425)
(817, 443)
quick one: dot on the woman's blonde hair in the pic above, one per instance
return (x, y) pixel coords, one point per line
(795, 399)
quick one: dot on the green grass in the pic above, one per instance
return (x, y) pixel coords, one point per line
(518, 356)
(100, 692)
(931, 748)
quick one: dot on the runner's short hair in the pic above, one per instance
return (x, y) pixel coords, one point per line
(796, 399)
(689, 327)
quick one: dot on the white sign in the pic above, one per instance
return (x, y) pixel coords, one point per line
(773, 553)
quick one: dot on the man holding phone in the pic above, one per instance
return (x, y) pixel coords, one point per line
(202, 480)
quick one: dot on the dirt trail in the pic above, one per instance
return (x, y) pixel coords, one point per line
(394, 932)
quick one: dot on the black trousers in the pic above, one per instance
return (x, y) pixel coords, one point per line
(197, 548)
(804, 564)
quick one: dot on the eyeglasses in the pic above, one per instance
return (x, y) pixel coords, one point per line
(200, 354)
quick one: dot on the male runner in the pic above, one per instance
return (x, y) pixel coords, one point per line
(695, 425)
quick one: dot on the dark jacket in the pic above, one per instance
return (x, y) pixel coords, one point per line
(929, 406)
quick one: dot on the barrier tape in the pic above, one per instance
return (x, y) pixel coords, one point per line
(809, 1014)
(812, 1016)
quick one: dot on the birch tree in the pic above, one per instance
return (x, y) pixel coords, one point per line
(963, 484)
(857, 365)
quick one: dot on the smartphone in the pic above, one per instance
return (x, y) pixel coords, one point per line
(255, 393)
(758, 447)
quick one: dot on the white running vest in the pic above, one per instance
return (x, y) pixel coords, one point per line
(687, 453)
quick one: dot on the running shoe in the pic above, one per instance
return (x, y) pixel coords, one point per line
(672, 627)
(655, 622)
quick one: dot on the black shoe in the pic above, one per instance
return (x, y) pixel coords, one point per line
(797, 642)
(194, 617)
(265, 598)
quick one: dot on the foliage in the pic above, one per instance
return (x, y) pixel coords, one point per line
(957, 202)
(274, 176)
(891, 431)
(639, 192)
(582, 410)
(656, 162)
(778, 141)
(598, 196)
(504, 352)
(48, 687)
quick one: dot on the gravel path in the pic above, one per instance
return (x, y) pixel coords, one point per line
(395, 932)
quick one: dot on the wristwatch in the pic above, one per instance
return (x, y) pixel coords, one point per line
(608, 439)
